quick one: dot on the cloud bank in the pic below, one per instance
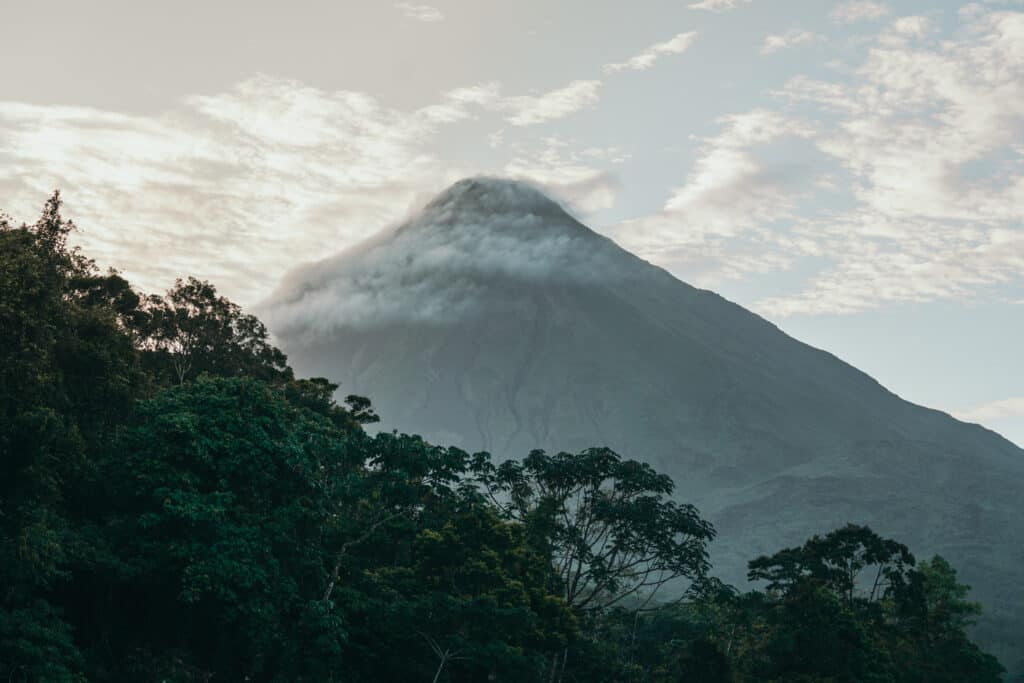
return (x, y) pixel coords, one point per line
(237, 186)
(229, 187)
(480, 234)
(896, 174)
(903, 183)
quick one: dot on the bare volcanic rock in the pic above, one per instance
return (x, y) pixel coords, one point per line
(493, 320)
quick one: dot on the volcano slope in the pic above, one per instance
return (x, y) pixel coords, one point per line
(493, 320)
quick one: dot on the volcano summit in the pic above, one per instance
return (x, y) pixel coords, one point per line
(493, 320)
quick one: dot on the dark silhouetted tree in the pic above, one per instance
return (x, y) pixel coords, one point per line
(192, 330)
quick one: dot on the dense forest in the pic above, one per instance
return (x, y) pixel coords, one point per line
(175, 505)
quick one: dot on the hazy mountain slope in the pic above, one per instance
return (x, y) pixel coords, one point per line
(493, 320)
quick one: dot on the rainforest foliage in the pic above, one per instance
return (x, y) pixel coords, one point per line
(176, 506)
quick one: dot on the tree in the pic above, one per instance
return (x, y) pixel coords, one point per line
(934, 616)
(607, 526)
(68, 373)
(72, 345)
(827, 601)
(220, 520)
(839, 561)
(702, 660)
(468, 605)
(317, 394)
(192, 330)
(858, 601)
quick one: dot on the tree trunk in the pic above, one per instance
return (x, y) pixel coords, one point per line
(440, 668)
(561, 669)
(336, 571)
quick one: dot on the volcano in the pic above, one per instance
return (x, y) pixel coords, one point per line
(493, 320)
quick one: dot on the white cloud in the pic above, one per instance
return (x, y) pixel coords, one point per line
(880, 260)
(790, 38)
(915, 26)
(461, 103)
(995, 410)
(902, 180)
(475, 234)
(519, 110)
(568, 175)
(233, 187)
(526, 110)
(237, 186)
(714, 225)
(424, 13)
(929, 133)
(719, 5)
(859, 10)
(646, 59)
(920, 114)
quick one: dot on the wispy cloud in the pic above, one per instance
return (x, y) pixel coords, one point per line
(424, 13)
(994, 410)
(791, 38)
(519, 110)
(912, 27)
(464, 103)
(859, 10)
(719, 5)
(904, 180)
(646, 59)
(899, 178)
(239, 185)
(929, 132)
(711, 226)
(505, 230)
(571, 176)
(233, 187)
(526, 110)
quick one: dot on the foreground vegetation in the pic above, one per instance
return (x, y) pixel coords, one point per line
(176, 506)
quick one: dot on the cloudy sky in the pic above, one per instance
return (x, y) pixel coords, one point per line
(851, 170)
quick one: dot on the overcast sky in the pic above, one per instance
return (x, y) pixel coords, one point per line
(851, 170)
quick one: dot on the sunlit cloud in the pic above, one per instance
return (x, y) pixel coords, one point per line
(899, 178)
(424, 13)
(646, 59)
(925, 134)
(237, 186)
(504, 230)
(519, 110)
(916, 119)
(526, 110)
(993, 410)
(859, 10)
(571, 177)
(709, 226)
(233, 187)
(783, 41)
(718, 5)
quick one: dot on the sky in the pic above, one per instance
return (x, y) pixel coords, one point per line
(852, 170)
